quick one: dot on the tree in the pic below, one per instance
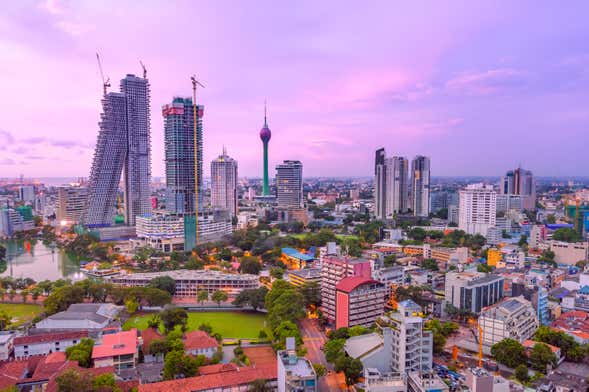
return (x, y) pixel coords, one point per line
(206, 327)
(154, 322)
(277, 272)
(541, 356)
(259, 385)
(351, 367)
(430, 264)
(285, 330)
(177, 364)
(440, 332)
(509, 352)
(165, 283)
(62, 297)
(571, 349)
(352, 247)
(73, 380)
(566, 234)
(105, 383)
(202, 296)
(24, 295)
(255, 298)
(250, 265)
(35, 293)
(219, 296)
(2, 252)
(157, 347)
(5, 320)
(417, 234)
(333, 349)
(284, 302)
(485, 268)
(173, 316)
(131, 305)
(81, 352)
(521, 373)
(311, 292)
(320, 370)
(11, 294)
(390, 260)
(547, 257)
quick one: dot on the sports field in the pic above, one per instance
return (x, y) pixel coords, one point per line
(21, 313)
(239, 325)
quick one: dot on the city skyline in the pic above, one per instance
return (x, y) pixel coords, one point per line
(476, 89)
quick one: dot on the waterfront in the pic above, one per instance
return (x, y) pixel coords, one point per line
(35, 260)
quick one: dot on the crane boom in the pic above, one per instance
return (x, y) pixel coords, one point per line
(195, 83)
(105, 83)
(144, 69)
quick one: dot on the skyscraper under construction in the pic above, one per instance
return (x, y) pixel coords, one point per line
(123, 146)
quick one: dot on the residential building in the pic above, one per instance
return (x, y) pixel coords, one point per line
(224, 183)
(15, 220)
(538, 234)
(45, 344)
(420, 186)
(118, 349)
(148, 335)
(333, 270)
(289, 184)
(188, 282)
(574, 323)
(399, 346)
(479, 380)
(91, 317)
(390, 277)
(163, 231)
(295, 374)
(200, 343)
(453, 214)
(473, 291)
(509, 202)
(375, 381)
(71, 202)
(26, 193)
(359, 301)
(569, 253)
(425, 382)
(183, 177)
(513, 318)
(123, 146)
(529, 345)
(477, 209)
(390, 185)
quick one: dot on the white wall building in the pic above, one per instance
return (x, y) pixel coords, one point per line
(26, 346)
(569, 253)
(224, 183)
(71, 202)
(514, 318)
(477, 209)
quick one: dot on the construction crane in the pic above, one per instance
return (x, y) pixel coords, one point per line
(480, 345)
(144, 69)
(195, 84)
(105, 83)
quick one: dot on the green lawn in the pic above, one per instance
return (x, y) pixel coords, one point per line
(21, 313)
(240, 325)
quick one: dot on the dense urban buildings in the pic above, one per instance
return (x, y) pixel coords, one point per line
(520, 182)
(477, 210)
(289, 184)
(224, 183)
(123, 146)
(420, 186)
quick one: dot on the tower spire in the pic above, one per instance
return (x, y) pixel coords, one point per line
(265, 114)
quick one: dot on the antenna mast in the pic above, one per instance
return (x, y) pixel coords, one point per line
(195, 84)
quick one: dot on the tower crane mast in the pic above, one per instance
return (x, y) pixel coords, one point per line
(105, 83)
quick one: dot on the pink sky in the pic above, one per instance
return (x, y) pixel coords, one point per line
(479, 87)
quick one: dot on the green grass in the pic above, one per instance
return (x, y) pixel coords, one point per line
(240, 325)
(21, 313)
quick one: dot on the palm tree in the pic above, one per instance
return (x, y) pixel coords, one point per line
(24, 294)
(259, 385)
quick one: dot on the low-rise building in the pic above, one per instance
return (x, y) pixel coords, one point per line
(513, 318)
(303, 276)
(44, 344)
(6, 345)
(575, 324)
(569, 253)
(118, 349)
(84, 317)
(359, 301)
(164, 232)
(188, 282)
(375, 381)
(473, 291)
(200, 343)
(425, 382)
(295, 259)
(295, 374)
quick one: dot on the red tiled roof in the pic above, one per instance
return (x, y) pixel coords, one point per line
(12, 372)
(52, 385)
(122, 343)
(148, 336)
(127, 386)
(48, 337)
(352, 282)
(242, 376)
(58, 356)
(199, 340)
(218, 368)
(531, 343)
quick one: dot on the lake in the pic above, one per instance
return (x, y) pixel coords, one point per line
(35, 260)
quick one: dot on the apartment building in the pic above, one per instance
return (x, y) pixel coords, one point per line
(359, 301)
(295, 374)
(513, 318)
(118, 349)
(473, 291)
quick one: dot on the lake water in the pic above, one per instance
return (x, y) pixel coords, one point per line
(33, 259)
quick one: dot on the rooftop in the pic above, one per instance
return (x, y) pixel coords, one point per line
(351, 283)
(50, 337)
(307, 273)
(198, 340)
(183, 274)
(291, 252)
(357, 346)
(122, 343)
(299, 366)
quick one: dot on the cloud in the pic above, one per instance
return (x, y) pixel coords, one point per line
(7, 162)
(67, 144)
(487, 82)
(52, 6)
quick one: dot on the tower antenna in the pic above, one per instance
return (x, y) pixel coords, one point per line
(105, 83)
(195, 84)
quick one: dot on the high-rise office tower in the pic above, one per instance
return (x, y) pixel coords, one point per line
(396, 185)
(420, 182)
(123, 146)
(289, 184)
(520, 182)
(179, 155)
(380, 184)
(265, 136)
(477, 209)
(71, 201)
(224, 183)
(26, 193)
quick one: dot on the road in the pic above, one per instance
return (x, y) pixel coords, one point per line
(314, 339)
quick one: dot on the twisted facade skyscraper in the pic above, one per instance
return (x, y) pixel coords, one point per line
(123, 147)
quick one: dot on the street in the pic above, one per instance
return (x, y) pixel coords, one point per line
(314, 339)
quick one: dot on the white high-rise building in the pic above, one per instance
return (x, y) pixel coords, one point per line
(71, 201)
(289, 184)
(477, 209)
(224, 183)
(396, 185)
(420, 185)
